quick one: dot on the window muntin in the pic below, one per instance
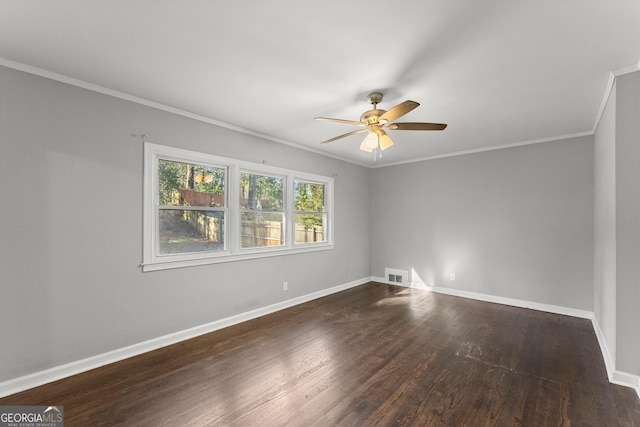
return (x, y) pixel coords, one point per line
(213, 198)
(191, 208)
(310, 215)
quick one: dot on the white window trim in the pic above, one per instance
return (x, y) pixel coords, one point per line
(232, 249)
(285, 198)
(328, 207)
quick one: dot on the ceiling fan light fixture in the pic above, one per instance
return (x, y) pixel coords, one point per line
(384, 141)
(370, 142)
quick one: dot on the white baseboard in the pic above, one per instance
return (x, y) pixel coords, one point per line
(549, 308)
(627, 380)
(615, 377)
(604, 349)
(58, 372)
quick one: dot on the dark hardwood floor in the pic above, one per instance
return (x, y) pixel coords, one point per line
(374, 355)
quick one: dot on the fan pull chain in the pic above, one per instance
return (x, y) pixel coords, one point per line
(377, 153)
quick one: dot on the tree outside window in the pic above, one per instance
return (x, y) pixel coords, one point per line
(309, 205)
(188, 198)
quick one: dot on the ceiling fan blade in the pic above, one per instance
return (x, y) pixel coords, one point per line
(416, 126)
(344, 135)
(346, 122)
(398, 111)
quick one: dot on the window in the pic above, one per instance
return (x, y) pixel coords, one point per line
(191, 208)
(311, 217)
(261, 210)
(202, 209)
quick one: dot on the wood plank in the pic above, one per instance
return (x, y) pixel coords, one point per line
(374, 355)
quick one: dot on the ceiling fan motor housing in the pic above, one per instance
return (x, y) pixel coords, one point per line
(371, 117)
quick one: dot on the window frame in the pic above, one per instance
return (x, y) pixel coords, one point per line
(283, 212)
(158, 208)
(232, 251)
(325, 212)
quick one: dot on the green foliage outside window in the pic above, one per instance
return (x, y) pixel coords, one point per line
(309, 198)
(171, 177)
(261, 192)
(174, 176)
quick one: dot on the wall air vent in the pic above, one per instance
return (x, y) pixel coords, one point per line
(397, 277)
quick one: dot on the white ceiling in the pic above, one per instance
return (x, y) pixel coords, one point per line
(499, 72)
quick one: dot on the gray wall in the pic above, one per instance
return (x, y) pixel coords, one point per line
(617, 224)
(71, 221)
(627, 158)
(605, 225)
(515, 223)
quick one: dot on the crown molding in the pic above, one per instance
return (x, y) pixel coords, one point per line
(163, 107)
(495, 147)
(158, 106)
(607, 91)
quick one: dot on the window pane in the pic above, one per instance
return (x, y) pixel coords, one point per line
(184, 184)
(262, 229)
(186, 231)
(308, 196)
(310, 228)
(260, 192)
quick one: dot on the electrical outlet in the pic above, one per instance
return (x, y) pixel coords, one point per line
(285, 286)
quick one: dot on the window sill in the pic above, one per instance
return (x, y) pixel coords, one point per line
(166, 265)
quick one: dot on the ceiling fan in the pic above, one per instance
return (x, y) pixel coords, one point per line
(375, 122)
